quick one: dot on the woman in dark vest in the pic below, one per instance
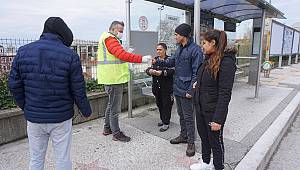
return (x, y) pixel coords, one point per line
(162, 87)
(213, 89)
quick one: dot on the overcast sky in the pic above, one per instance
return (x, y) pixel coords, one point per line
(88, 19)
(290, 8)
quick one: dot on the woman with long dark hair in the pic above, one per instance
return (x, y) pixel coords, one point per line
(213, 89)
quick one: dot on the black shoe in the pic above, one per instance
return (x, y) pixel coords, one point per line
(121, 137)
(178, 140)
(160, 124)
(190, 150)
(164, 128)
(106, 131)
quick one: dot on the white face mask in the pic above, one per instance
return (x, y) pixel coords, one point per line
(120, 35)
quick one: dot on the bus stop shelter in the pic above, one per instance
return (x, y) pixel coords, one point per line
(232, 11)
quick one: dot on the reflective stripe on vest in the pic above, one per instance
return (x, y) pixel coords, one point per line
(118, 61)
(110, 69)
(105, 57)
(111, 62)
(104, 52)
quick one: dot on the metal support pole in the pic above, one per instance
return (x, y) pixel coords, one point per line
(197, 13)
(260, 52)
(160, 9)
(290, 60)
(159, 24)
(130, 82)
(280, 62)
(188, 17)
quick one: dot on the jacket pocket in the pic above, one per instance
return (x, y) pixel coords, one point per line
(183, 82)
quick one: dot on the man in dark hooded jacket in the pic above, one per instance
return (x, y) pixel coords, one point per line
(46, 79)
(186, 60)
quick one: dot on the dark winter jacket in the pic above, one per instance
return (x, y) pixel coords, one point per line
(163, 83)
(46, 79)
(186, 61)
(212, 96)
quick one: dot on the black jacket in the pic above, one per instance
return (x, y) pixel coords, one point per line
(212, 96)
(164, 82)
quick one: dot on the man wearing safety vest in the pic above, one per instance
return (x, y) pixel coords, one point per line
(113, 72)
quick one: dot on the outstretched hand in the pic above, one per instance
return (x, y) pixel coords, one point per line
(146, 59)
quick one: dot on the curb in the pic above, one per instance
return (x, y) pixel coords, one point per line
(260, 154)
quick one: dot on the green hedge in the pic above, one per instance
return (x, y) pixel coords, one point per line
(7, 102)
(93, 86)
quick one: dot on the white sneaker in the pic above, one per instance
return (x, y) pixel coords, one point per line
(202, 166)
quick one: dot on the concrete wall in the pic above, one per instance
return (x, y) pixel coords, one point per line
(13, 124)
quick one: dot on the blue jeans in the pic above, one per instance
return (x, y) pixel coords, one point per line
(61, 137)
(113, 109)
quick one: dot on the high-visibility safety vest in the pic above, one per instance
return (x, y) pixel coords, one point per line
(110, 69)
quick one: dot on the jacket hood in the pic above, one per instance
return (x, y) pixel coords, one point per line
(56, 25)
(230, 51)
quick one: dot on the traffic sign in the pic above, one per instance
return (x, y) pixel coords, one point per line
(143, 23)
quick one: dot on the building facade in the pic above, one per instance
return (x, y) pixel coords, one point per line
(87, 50)
(6, 57)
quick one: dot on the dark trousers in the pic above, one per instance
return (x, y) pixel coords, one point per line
(164, 103)
(186, 118)
(210, 141)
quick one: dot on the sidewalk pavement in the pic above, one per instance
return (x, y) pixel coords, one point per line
(150, 149)
(288, 154)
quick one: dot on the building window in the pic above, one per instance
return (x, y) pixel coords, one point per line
(95, 48)
(83, 49)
